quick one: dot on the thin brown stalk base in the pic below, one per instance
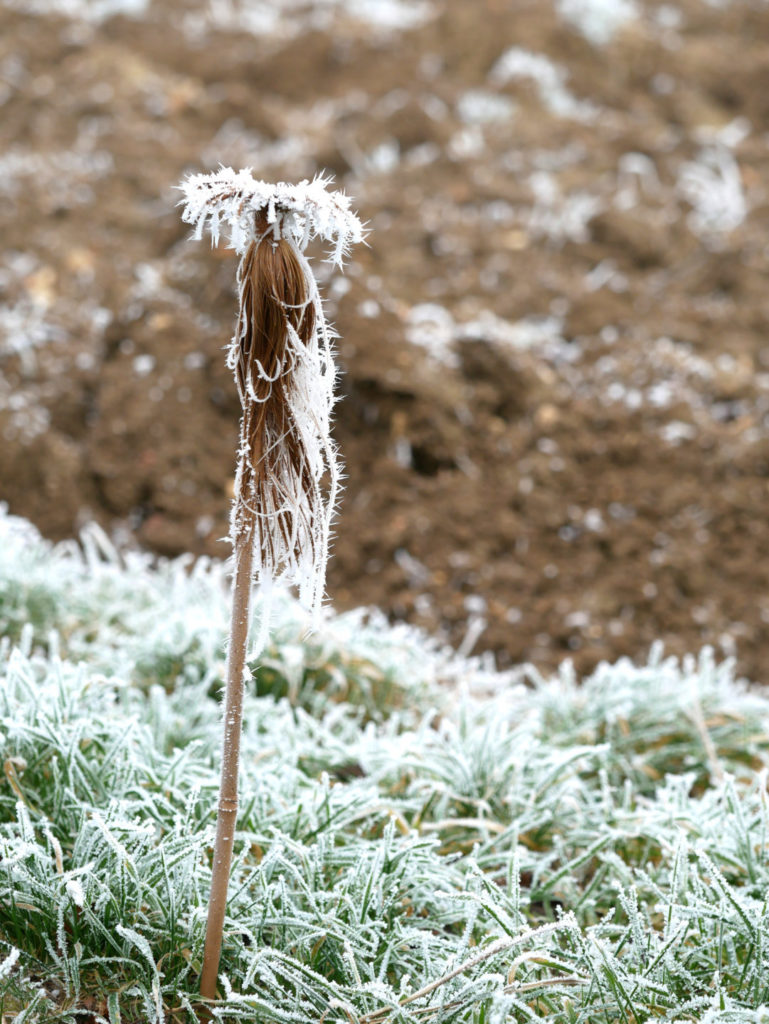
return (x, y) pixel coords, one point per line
(228, 792)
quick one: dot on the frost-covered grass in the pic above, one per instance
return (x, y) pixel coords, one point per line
(420, 839)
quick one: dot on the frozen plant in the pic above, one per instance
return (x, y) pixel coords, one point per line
(281, 356)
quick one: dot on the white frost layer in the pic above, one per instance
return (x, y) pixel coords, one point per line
(516, 64)
(94, 11)
(434, 328)
(106, 603)
(298, 213)
(289, 18)
(713, 186)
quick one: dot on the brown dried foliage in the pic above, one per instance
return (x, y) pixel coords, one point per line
(273, 292)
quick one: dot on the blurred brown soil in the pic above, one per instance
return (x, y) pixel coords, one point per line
(584, 492)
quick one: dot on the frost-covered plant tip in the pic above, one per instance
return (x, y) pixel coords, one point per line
(297, 213)
(281, 355)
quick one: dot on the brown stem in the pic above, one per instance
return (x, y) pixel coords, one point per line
(273, 291)
(227, 812)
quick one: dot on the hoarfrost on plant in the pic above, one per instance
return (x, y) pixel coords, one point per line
(299, 213)
(403, 843)
(287, 478)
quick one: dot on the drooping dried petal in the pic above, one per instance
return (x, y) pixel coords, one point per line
(282, 358)
(287, 470)
(235, 200)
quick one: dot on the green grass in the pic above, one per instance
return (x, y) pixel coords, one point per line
(420, 838)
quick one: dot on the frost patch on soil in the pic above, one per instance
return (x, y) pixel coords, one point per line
(61, 173)
(234, 144)
(432, 327)
(557, 217)
(290, 18)
(668, 375)
(713, 186)
(35, 326)
(517, 64)
(94, 11)
(479, 106)
(542, 334)
(598, 20)
(25, 327)
(27, 417)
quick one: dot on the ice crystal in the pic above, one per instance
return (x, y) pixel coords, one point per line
(298, 213)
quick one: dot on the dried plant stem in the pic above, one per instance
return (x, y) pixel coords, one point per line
(227, 811)
(276, 500)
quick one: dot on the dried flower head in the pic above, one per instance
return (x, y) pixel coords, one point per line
(281, 355)
(296, 213)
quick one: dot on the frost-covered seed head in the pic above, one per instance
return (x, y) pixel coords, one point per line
(237, 202)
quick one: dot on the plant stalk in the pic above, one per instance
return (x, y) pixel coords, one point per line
(227, 811)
